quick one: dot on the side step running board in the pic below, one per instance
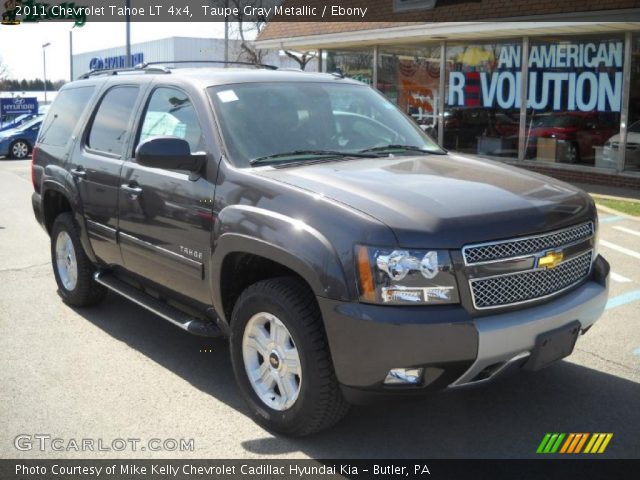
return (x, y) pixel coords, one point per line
(180, 319)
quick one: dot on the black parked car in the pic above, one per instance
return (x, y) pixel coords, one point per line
(303, 216)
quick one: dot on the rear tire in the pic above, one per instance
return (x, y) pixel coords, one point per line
(71, 267)
(312, 399)
(19, 149)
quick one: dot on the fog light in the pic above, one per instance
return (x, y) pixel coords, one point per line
(403, 376)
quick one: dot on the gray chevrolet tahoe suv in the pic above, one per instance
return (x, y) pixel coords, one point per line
(342, 252)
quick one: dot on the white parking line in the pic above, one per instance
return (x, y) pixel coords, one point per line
(628, 230)
(616, 277)
(620, 249)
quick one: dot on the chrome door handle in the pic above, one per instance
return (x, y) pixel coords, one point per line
(79, 172)
(133, 192)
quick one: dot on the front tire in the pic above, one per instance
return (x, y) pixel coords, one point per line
(71, 267)
(281, 359)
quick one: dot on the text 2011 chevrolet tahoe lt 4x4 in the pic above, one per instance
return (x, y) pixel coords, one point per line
(303, 216)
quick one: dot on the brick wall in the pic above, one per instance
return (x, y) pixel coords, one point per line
(380, 14)
(593, 178)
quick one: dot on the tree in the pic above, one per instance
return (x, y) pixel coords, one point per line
(303, 58)
(24, 85)
(248, 27)
(4, 70)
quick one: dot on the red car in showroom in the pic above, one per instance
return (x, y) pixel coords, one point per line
(577, 132)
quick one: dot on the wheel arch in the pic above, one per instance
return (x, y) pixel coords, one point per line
(241, 269)
(240, 261)
(56, 199)
(285, 244)
(54, 202)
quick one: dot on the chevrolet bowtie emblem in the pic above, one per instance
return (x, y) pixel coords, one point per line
(550, 260)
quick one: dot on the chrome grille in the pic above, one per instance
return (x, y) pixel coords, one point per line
(504, 290)
(524, 246)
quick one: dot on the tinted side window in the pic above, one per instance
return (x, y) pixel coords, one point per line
(109, 130)
(65, 112)
(171, 113)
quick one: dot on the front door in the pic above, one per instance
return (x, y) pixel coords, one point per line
(96, 166)
(166, 215)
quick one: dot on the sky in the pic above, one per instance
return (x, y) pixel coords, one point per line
(21, 46)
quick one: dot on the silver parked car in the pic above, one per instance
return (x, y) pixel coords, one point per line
(612, 145)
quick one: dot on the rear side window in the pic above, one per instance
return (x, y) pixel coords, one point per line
(63, 115)
(111, 122)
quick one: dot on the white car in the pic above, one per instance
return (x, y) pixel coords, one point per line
(610, 151)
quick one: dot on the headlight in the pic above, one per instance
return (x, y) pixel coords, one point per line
(405, 277)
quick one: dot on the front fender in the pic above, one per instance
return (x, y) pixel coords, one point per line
(282, 239)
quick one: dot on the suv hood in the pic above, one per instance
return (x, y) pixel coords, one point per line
(443, 201)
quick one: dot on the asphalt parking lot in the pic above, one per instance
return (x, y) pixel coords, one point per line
(120, 372)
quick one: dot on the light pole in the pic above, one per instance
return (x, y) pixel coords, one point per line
(71, 54)
(226, 33)
(44, 65)
(127, 62)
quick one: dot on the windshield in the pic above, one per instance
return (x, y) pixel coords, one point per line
(296, 121)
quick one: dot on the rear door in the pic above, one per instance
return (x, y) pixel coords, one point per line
(96, 166)
(62, 124)
(165, 216)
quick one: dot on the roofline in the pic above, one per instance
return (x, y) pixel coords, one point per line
(145, 42)
(508, 27)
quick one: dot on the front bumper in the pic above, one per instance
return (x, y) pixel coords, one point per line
(454, 348)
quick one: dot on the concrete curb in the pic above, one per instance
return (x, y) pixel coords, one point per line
(617, 213)
(613, 197)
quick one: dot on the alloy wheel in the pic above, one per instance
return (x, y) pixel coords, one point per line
(66, 261)
(20, 150)
(271, 361)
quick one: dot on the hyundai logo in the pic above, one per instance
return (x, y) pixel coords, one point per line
(18, 101)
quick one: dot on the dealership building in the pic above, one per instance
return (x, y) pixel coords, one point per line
(571, 110)
(172, 49)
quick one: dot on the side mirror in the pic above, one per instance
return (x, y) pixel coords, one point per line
(169, 153)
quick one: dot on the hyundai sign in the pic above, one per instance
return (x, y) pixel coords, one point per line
(118, 61)
(18, 106)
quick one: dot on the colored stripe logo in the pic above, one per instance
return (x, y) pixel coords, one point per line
(574, 443)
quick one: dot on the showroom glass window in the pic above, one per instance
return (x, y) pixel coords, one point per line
(410, 77)
(482, 104)
(356, 64)
(574, 100)
(632, 154)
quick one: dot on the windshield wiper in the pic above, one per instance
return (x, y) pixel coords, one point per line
(314, 153)
(408, 148)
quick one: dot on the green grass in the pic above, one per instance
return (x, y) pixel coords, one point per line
(623, 206)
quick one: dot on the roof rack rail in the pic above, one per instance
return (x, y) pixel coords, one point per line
(160, 67)
(338, 73)
(140, 68)
(222, 62)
